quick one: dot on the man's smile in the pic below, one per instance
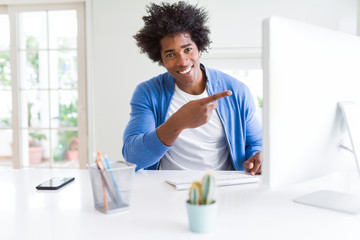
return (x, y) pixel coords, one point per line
(185, 71)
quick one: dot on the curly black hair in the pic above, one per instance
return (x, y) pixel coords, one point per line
(168, 19)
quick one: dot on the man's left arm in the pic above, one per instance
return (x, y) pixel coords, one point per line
(253, 140)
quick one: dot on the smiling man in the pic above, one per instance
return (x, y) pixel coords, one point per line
(191, 117)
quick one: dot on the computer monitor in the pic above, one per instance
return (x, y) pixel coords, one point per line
(308, 70)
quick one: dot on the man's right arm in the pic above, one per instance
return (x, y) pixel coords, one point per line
(192, 115)
(141, 144)
(145, 145)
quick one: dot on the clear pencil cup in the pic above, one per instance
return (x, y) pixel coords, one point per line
(112, 187)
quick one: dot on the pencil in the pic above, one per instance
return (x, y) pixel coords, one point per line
(104, 192)
(98, 163)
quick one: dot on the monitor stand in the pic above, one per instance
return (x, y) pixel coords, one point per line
(335, 200)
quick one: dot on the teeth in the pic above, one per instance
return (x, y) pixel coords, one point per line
(185, 71)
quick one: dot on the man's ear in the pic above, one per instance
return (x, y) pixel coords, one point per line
(161, 62)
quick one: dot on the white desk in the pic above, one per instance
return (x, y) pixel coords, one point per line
(157, 211)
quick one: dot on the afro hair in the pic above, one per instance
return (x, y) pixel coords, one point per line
(168, 19)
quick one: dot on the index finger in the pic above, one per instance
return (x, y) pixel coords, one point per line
(217, 96)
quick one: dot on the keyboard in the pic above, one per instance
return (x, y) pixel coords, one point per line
(222, 179)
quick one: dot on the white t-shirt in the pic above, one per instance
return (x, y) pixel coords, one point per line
(200, 148)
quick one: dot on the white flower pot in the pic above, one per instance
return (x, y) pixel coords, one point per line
(201, 217)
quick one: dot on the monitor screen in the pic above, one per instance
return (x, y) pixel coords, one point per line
(307, 71)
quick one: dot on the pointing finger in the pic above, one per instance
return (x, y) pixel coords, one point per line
(217, 96)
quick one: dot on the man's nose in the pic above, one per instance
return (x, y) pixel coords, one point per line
(182, 59)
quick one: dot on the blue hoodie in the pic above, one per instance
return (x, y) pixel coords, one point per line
(149, 106)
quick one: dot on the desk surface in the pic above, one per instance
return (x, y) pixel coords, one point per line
(157, 211)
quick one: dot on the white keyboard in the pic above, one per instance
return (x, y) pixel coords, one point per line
(222, 179)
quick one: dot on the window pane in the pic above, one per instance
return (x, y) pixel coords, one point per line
(34, 109)
(63, 68)
(65, 145)
(64, 108)
(35, 148)
(5, 108)
(5, 32)
(5, 93)
(33, 25)
(34, 69)
(5, 74)
(63, 31)
(253, 79)
(5, 146)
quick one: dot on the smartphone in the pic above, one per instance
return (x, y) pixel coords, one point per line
(55, 183)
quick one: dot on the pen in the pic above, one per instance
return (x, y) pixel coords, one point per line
(108, 166)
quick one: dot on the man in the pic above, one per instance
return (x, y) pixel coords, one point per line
(190, 117)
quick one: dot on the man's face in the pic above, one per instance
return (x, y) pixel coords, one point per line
(181, 58)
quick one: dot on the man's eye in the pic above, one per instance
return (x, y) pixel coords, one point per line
(188, 49)
(169, 55)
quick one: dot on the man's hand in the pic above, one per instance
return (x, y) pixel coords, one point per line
(198, 112)
(192, 115)
(253, 164)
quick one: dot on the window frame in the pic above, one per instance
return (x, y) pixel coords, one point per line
(13, 11)
(244, 57)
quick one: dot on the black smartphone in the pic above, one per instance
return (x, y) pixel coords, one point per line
(55, 183)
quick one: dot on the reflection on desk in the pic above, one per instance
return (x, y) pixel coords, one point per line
(157, 211)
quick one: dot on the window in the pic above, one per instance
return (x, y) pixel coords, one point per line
(253, 78)
(5, 91)
(245, 65)
(45, 123)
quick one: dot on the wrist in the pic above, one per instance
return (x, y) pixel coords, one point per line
(169, 131)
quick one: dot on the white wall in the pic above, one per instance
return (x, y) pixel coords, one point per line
(237, 23)
(118, 66)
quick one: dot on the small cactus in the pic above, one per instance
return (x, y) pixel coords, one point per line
(202, 193)
(208, 187)
(195, 193)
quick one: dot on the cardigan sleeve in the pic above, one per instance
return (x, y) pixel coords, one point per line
(253, 128)
(141, 144)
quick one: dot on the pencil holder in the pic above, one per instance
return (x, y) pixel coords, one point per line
(112, 187)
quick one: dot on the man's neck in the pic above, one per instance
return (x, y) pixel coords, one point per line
(199, 87)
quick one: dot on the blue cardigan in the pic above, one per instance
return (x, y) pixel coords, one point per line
(149, 106)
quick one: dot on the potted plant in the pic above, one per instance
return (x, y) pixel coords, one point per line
(35, 148)
(201, 207)
(73, 152)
